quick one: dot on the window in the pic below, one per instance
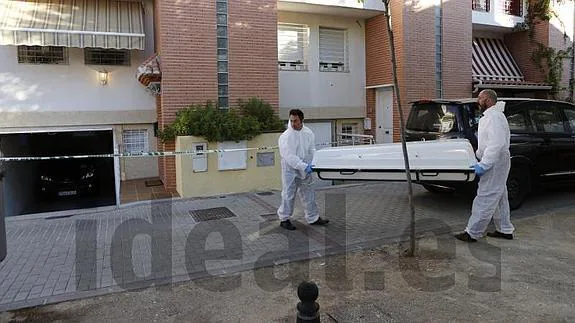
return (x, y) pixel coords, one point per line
(480, 5)
(135, 141)
(517, 121)
(545, 119)
(222, 53)
(333, 50)
(103, 56)
(349, 128)
(433, 117)
(42, 55)
(570, 114)
(292, 47)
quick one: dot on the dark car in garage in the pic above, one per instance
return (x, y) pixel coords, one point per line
(68, 177)
(542, 139)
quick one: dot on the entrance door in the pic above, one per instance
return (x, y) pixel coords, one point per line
(384, 115)
(322, 133)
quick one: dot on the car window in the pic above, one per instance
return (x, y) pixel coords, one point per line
(570, 114)
(433, 117)
(545, 118)
(517, 121)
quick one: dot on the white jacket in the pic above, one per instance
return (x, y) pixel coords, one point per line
(297, 148)
(493, 136)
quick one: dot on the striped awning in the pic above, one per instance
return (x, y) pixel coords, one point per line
(72, 23)
(149, 71)
(493, 61)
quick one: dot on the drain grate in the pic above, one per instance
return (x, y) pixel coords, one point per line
(265, 193)
(216, 213)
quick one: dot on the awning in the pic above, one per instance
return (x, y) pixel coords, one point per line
(149, 71)
(72, 23)
(495, 68)
(493, 61)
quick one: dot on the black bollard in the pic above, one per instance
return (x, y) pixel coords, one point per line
(307, 308)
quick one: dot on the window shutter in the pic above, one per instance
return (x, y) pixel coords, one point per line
(292, 40)
(332, 49)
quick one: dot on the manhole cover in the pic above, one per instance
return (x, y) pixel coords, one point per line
(211, 214)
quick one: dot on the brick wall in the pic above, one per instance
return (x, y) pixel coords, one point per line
(379, 64)
(522, 48)
(457, 49)
(253, 69)
(186, 38)
(187, 34)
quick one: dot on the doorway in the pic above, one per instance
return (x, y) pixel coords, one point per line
(384, 115)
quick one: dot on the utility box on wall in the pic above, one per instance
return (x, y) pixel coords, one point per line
(3, 242)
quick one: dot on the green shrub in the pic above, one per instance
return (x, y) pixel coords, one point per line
(263, 112)
(252, 118)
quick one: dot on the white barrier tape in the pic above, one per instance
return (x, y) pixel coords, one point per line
(142, 154)
(148, 154)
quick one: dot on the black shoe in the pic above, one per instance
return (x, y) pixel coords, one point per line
(287, 225)
(320, 221)
(464, 236)
(497, 234)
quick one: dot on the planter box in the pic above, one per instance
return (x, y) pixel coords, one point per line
(227, 172)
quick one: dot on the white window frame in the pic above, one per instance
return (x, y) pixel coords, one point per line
(333, 50)
(293, 60)
(135, 137)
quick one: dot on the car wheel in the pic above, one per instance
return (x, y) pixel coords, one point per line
(517, 186)
(437, 189)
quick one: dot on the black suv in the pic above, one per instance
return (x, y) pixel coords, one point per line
(542, 139)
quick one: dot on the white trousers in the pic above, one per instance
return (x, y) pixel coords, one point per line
(491, 202)
(292, 185)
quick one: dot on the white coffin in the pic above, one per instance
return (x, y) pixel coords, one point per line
(429, 161)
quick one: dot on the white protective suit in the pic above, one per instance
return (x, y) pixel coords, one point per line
(494, 157)
(296, 150)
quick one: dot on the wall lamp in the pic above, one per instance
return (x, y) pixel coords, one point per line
(103, 77)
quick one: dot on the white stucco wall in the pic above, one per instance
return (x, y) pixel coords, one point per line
(367, 4)
(74, 87)
(497, 18)
(315, 89)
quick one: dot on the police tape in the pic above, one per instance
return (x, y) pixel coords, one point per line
(140, 154)
(147, 154)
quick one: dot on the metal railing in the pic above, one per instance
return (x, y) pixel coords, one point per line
(348, 139)
(480, 5)
(512, 7)
(509, 7)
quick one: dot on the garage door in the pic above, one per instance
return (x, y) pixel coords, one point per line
(322, 132)
(40, 186)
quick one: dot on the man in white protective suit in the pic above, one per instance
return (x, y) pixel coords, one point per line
(493, 168)
(297, 147)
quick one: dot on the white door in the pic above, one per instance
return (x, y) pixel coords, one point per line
(322, 132)
(384, 115)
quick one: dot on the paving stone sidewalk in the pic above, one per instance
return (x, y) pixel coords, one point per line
(52, 260)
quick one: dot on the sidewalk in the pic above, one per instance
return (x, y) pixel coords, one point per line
(529, 279)
(92, 254)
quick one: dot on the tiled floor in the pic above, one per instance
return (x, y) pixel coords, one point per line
(143, 190)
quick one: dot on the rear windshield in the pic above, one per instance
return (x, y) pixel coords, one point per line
(433, 117)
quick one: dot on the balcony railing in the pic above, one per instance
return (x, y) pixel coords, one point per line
(480, 5)
(510, 7)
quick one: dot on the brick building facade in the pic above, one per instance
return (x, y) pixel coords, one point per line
(437, 46)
